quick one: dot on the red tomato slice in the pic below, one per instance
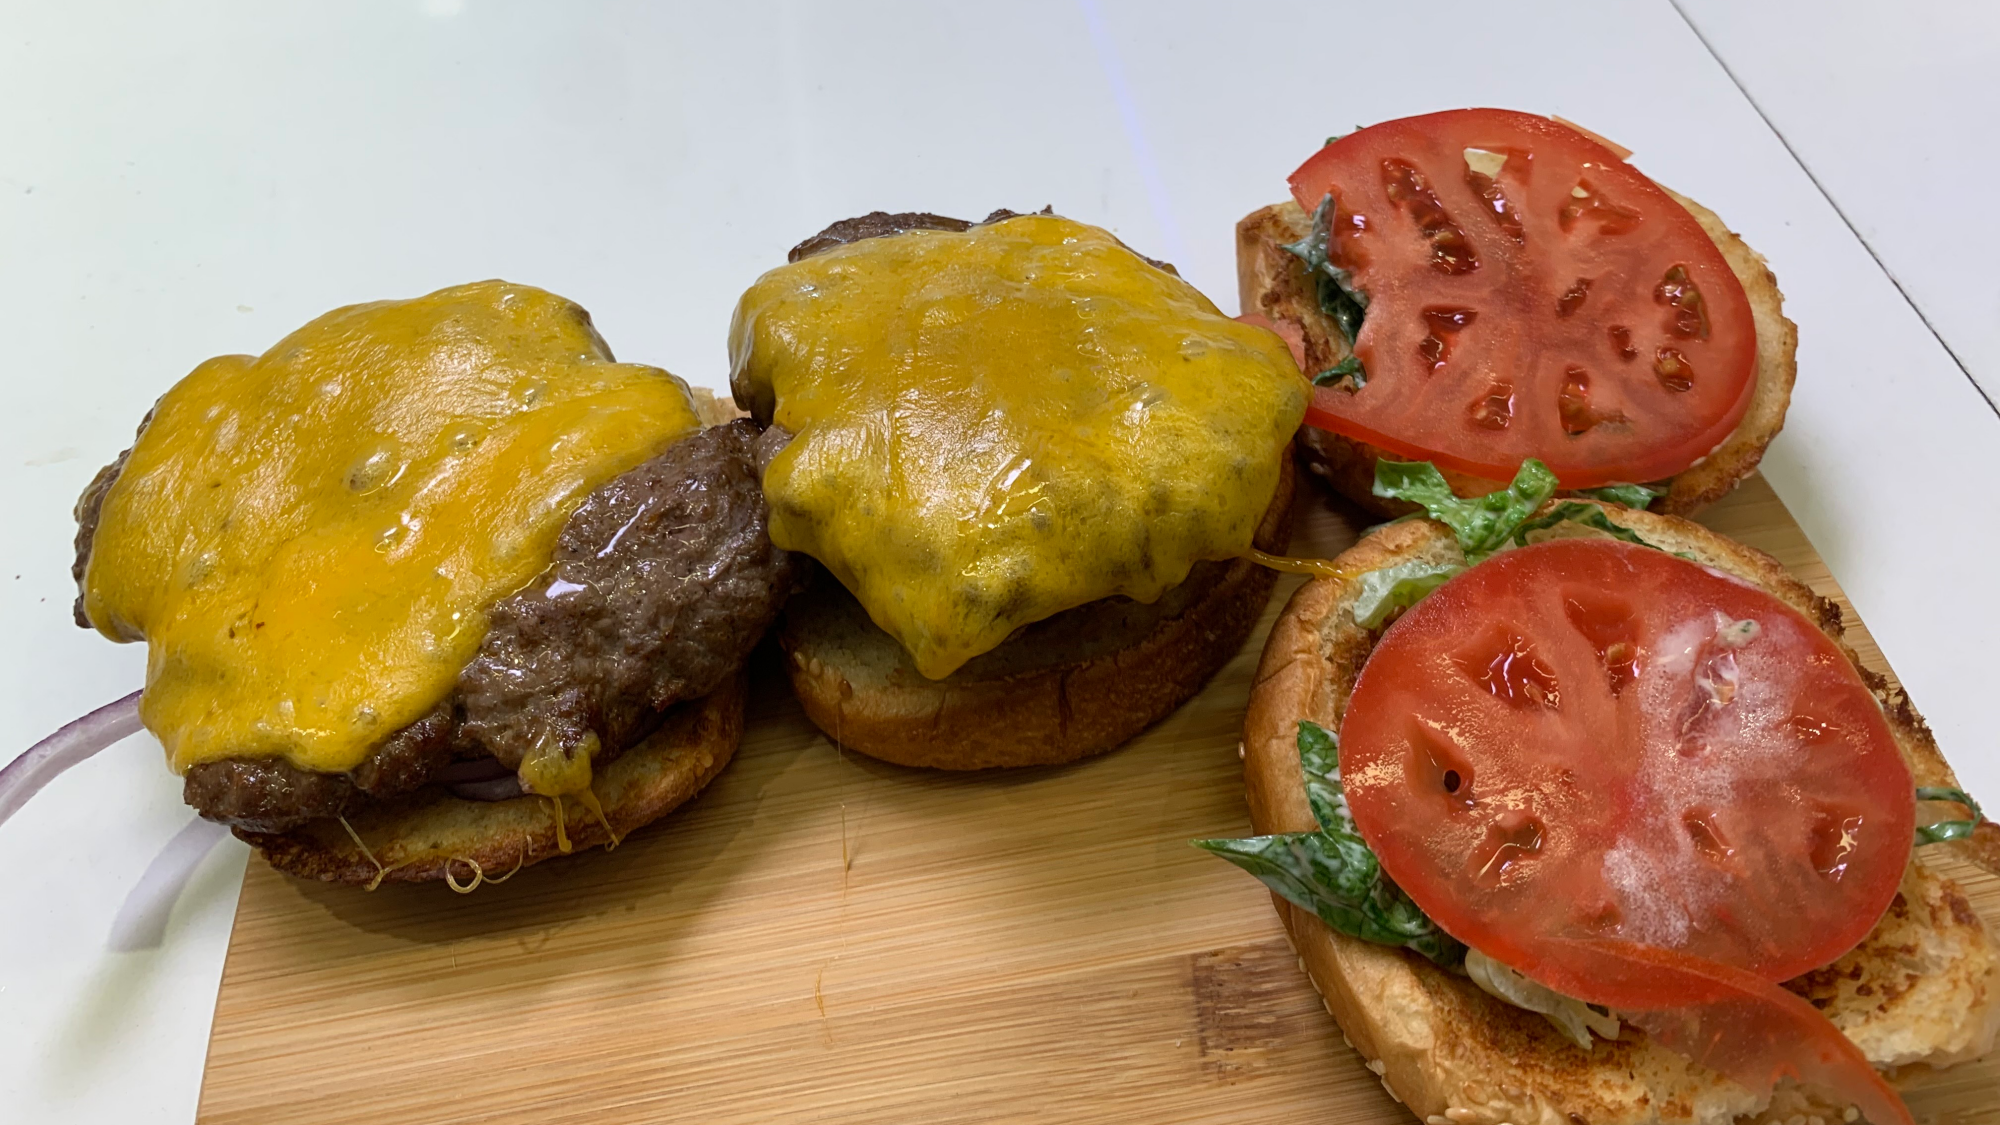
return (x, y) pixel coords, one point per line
(1293, 336)
(1562, 307)
(1731, 1022)
(1587, 740)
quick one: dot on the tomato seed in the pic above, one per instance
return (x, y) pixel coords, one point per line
(1451, 251)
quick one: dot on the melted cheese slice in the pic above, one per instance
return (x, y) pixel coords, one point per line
(308, 540)
(997, 425)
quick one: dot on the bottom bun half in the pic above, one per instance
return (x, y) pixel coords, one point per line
(1457, 1056)
(1074, 685)
(434, 836)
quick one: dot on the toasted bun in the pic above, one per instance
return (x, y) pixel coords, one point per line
(1922, 990)
(1077, 684)
(1273, 282)
(435, 836)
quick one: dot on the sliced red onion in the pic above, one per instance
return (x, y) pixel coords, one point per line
(24, 776)
(142, 921)
(493, 789)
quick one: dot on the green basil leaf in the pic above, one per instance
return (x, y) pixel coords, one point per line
(1332, 872)
(1342, 303)
(1398, 587)
(1576, 511)
(1319, 757)
(1346, 371)
(1337, 296)
(1947, 829)
(1311, 870)
(1482, 524)
(1630, 495)
(1312, 248)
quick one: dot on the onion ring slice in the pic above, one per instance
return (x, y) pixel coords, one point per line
(75, 742)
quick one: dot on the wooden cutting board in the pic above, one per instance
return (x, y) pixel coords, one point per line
(823, 937)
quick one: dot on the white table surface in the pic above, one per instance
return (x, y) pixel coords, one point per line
(178, 185)
(1895, 109)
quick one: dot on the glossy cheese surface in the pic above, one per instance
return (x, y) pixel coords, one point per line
(997, 425)
(308, 540)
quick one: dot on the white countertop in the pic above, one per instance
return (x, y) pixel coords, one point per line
(178, 185)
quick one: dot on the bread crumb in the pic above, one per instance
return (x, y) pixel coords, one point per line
(1378, 1066)
(1850, 1114)
(1392, 1092)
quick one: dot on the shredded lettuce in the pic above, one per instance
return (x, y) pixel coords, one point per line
(1332, 872)
(1631, 495)
(1485, 524)
(1571, 1016)
(1482, 524)
(1578, 512)
(1393, 588)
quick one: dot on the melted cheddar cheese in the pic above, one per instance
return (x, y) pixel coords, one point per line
(308, 540)
(997, 425)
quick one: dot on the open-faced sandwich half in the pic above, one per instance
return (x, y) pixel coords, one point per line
(1029, 464)
(1478, 287)
(1577, 813)
(433, 589)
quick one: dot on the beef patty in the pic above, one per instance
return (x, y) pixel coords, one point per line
(883, 224)
(662, 582)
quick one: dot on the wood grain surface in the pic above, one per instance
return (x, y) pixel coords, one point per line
(820, 937)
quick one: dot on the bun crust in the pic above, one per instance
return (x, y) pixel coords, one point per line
(1456, 1056)
(434, 836)
(1074, 685)
(1272, 282)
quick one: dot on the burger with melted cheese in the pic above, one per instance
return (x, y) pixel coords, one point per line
(1029, 464)
(435, 588)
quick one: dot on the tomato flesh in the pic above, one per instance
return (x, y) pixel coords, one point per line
(1529, 294)
(1593, 740)
(1729, 1021)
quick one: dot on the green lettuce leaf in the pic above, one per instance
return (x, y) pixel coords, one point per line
(1393, 588)
(1482, 524)
(1576, 511)
(1332, 872)
(1631, 495)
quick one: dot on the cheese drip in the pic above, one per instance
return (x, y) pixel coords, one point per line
(997, 425)
(308, 540)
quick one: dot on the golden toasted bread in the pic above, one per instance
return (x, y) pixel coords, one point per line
(1922, 991)
(433, 835)
(1272, 282)
(1076, 684)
